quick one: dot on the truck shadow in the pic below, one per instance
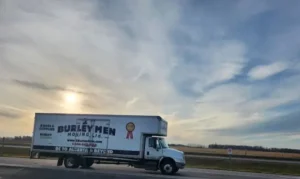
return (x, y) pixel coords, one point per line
(158, 173)
(89, 168)
(143, 171)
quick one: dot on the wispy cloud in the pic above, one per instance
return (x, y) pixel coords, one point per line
(264, 71)
(282, 125)
(220, 61)
(42, 86)
(132, 102)
(9, 114)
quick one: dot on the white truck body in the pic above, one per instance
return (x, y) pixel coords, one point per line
(111, 137)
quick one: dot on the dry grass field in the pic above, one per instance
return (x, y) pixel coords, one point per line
(18, 142)
(246, 166)
(237, 152)
(16, 152)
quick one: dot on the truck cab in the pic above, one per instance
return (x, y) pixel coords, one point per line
(168, 160)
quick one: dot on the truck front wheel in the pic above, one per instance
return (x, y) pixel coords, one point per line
(168, 167)
(71, 162)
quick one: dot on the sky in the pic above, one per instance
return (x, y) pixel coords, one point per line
(223, 72)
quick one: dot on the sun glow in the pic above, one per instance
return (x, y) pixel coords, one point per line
(71, 102)
(70, 98)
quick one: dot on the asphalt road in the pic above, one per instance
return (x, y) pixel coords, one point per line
(23, 168)
(207, 156)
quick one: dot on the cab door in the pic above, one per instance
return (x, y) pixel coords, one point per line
(153, 150)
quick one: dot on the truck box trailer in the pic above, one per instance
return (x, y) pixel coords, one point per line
(83, 139)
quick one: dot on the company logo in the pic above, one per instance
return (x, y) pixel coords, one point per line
(130, 128)
(85, 129)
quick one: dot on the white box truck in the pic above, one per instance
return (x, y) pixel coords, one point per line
(84, 139)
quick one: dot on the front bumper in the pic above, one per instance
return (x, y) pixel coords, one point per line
(180, 165)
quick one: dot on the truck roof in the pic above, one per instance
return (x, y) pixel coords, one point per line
(103, 115)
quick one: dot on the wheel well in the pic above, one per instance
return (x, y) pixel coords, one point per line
(166, 159)
(76, 157)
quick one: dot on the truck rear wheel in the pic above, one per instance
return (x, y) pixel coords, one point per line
(88, 164)
(71, 162)
(168, 167)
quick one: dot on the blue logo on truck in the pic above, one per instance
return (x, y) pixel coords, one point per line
(86, 130)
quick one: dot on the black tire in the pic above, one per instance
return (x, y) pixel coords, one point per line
(168, 167)
(176, 170)
(89, 163)
(71, 162)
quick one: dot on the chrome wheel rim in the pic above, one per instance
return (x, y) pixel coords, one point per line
(70, 162)
(168, 168)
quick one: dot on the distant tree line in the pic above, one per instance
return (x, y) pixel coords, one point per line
(253, 148)
(189, 145)
(18, 138)
(177, 145)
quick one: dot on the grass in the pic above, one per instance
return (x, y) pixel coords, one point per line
(18, 144)
(208, 163)
(245, 166)
(208, 151)
(16, 152)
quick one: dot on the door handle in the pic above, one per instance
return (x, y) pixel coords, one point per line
(147, 153)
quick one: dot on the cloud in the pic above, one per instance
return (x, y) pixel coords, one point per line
(8, 112)
(10, 115)
(282, 125)
(92, 50)
(42, 86)
(132, 102)
(232, 108)
(220, 61)
(265, 71)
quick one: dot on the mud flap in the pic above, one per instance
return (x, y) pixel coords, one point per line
(60, 161)
(83, 163)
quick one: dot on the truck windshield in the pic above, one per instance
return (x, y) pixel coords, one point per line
(163, 143)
